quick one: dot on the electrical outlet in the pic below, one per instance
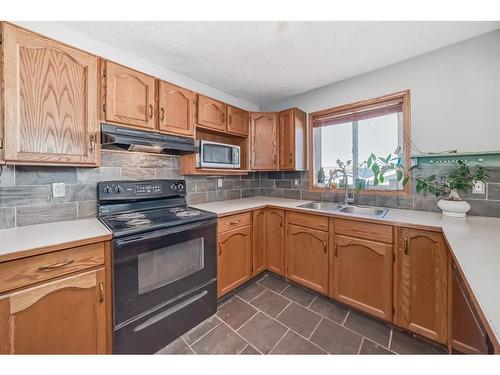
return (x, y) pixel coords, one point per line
(296, 182)
(58, 189)
(219, 182)
(478, 187)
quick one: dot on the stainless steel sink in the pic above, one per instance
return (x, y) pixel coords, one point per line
(364, 211)
(322, 206)
(351, 210)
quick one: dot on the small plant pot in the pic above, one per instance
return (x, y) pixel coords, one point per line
(453, 208)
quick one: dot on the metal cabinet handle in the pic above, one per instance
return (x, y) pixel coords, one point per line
(335, 248)
(56, 265)
(290, 158)
(230, 119)
(101, 292)
(324, 246)
(281, 221)
(223, 117)
(150, 111)
(91, 143)
(406, 246)
(220, 249)
(235, 222)
(162, 114)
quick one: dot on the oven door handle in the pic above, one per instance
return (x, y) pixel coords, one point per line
(163, 232)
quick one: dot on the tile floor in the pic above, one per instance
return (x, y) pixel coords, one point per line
(271, 316)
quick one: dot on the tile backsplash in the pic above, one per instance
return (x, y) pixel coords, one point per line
(26, 194)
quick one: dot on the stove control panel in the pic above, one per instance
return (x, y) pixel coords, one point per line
(136, 190)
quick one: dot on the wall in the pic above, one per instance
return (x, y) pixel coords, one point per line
(455, 95)
(65, 34)
(26, 194)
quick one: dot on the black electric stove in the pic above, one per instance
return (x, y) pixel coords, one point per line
(164, 262)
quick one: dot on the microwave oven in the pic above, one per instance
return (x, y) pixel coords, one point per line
(217, 155)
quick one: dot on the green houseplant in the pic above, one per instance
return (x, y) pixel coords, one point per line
(321, 175)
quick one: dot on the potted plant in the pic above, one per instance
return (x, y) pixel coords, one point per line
(461, 178)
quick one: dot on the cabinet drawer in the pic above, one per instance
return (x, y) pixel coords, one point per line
(234, 221)
(19, 273)
(307, 220)
(371, 231)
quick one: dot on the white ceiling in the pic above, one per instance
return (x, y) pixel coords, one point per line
(263, 62)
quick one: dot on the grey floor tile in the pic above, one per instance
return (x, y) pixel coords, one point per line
(262, 332)
(329, 309)
(292, 343)
(300, 295)
(250, 291)
(270, 303)
(176, 347)
(202, 328)
(236, 312)
(369, 347)
(221, 340)
(300, 319)
(336, 339)
(274, 283)
(405, 343)
(250, 350)
(366, 326)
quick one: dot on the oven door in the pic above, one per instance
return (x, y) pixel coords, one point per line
(151, 268)
(217, 155)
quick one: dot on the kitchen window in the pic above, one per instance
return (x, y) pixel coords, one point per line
(350, 133)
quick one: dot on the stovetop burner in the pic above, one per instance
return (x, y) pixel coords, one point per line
(185, 212)
(137, 222)
(130, 216)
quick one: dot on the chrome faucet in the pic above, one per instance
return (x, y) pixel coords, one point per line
(342, 168)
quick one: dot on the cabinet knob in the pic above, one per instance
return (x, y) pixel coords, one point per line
(101, 292)
(230, 119)
(290, 158)
(335, 248)
(162, 114)
(325, 246)
(223, 117)
(150, 111)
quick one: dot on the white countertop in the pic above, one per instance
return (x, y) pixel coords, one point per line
(474, 241)
(16, 241)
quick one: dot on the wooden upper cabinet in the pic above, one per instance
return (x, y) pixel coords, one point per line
(292, 140)
(237, 121)
(129, 97)
(275, 240)
(263, 141)
(422, 283)
(210, 113)
(50, 101)
(66, 316)
(259, 240)
(307, 257)
(362, 275)
(176, 110)
(467, 332)
(234, 259)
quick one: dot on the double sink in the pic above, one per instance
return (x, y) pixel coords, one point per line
(347, 209)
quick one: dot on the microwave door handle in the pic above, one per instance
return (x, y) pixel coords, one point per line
(161, 233)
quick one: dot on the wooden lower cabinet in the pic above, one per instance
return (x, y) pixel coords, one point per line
(467, 332)
(422, 283)
(259, 241)
(362, 275)
(275, 241)
(307, 257)
(65, 316)
(234, 258)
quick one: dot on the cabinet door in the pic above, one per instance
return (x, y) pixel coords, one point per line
(263, 138)
(287, 140)
(211, 113)
(130, 97)
(259, 241)
(67, 316)
(307, 257)
(467, 332)
(176, 110)
(423, 283)
(363, 275)
(50, 101)
(234, 261)
(275, 241)
(237, 121)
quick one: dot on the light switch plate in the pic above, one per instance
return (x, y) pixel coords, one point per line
(58, 189)
(478, 187)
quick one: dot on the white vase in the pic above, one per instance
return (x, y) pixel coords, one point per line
(453, 208)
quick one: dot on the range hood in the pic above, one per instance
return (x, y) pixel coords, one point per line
(113, 137)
